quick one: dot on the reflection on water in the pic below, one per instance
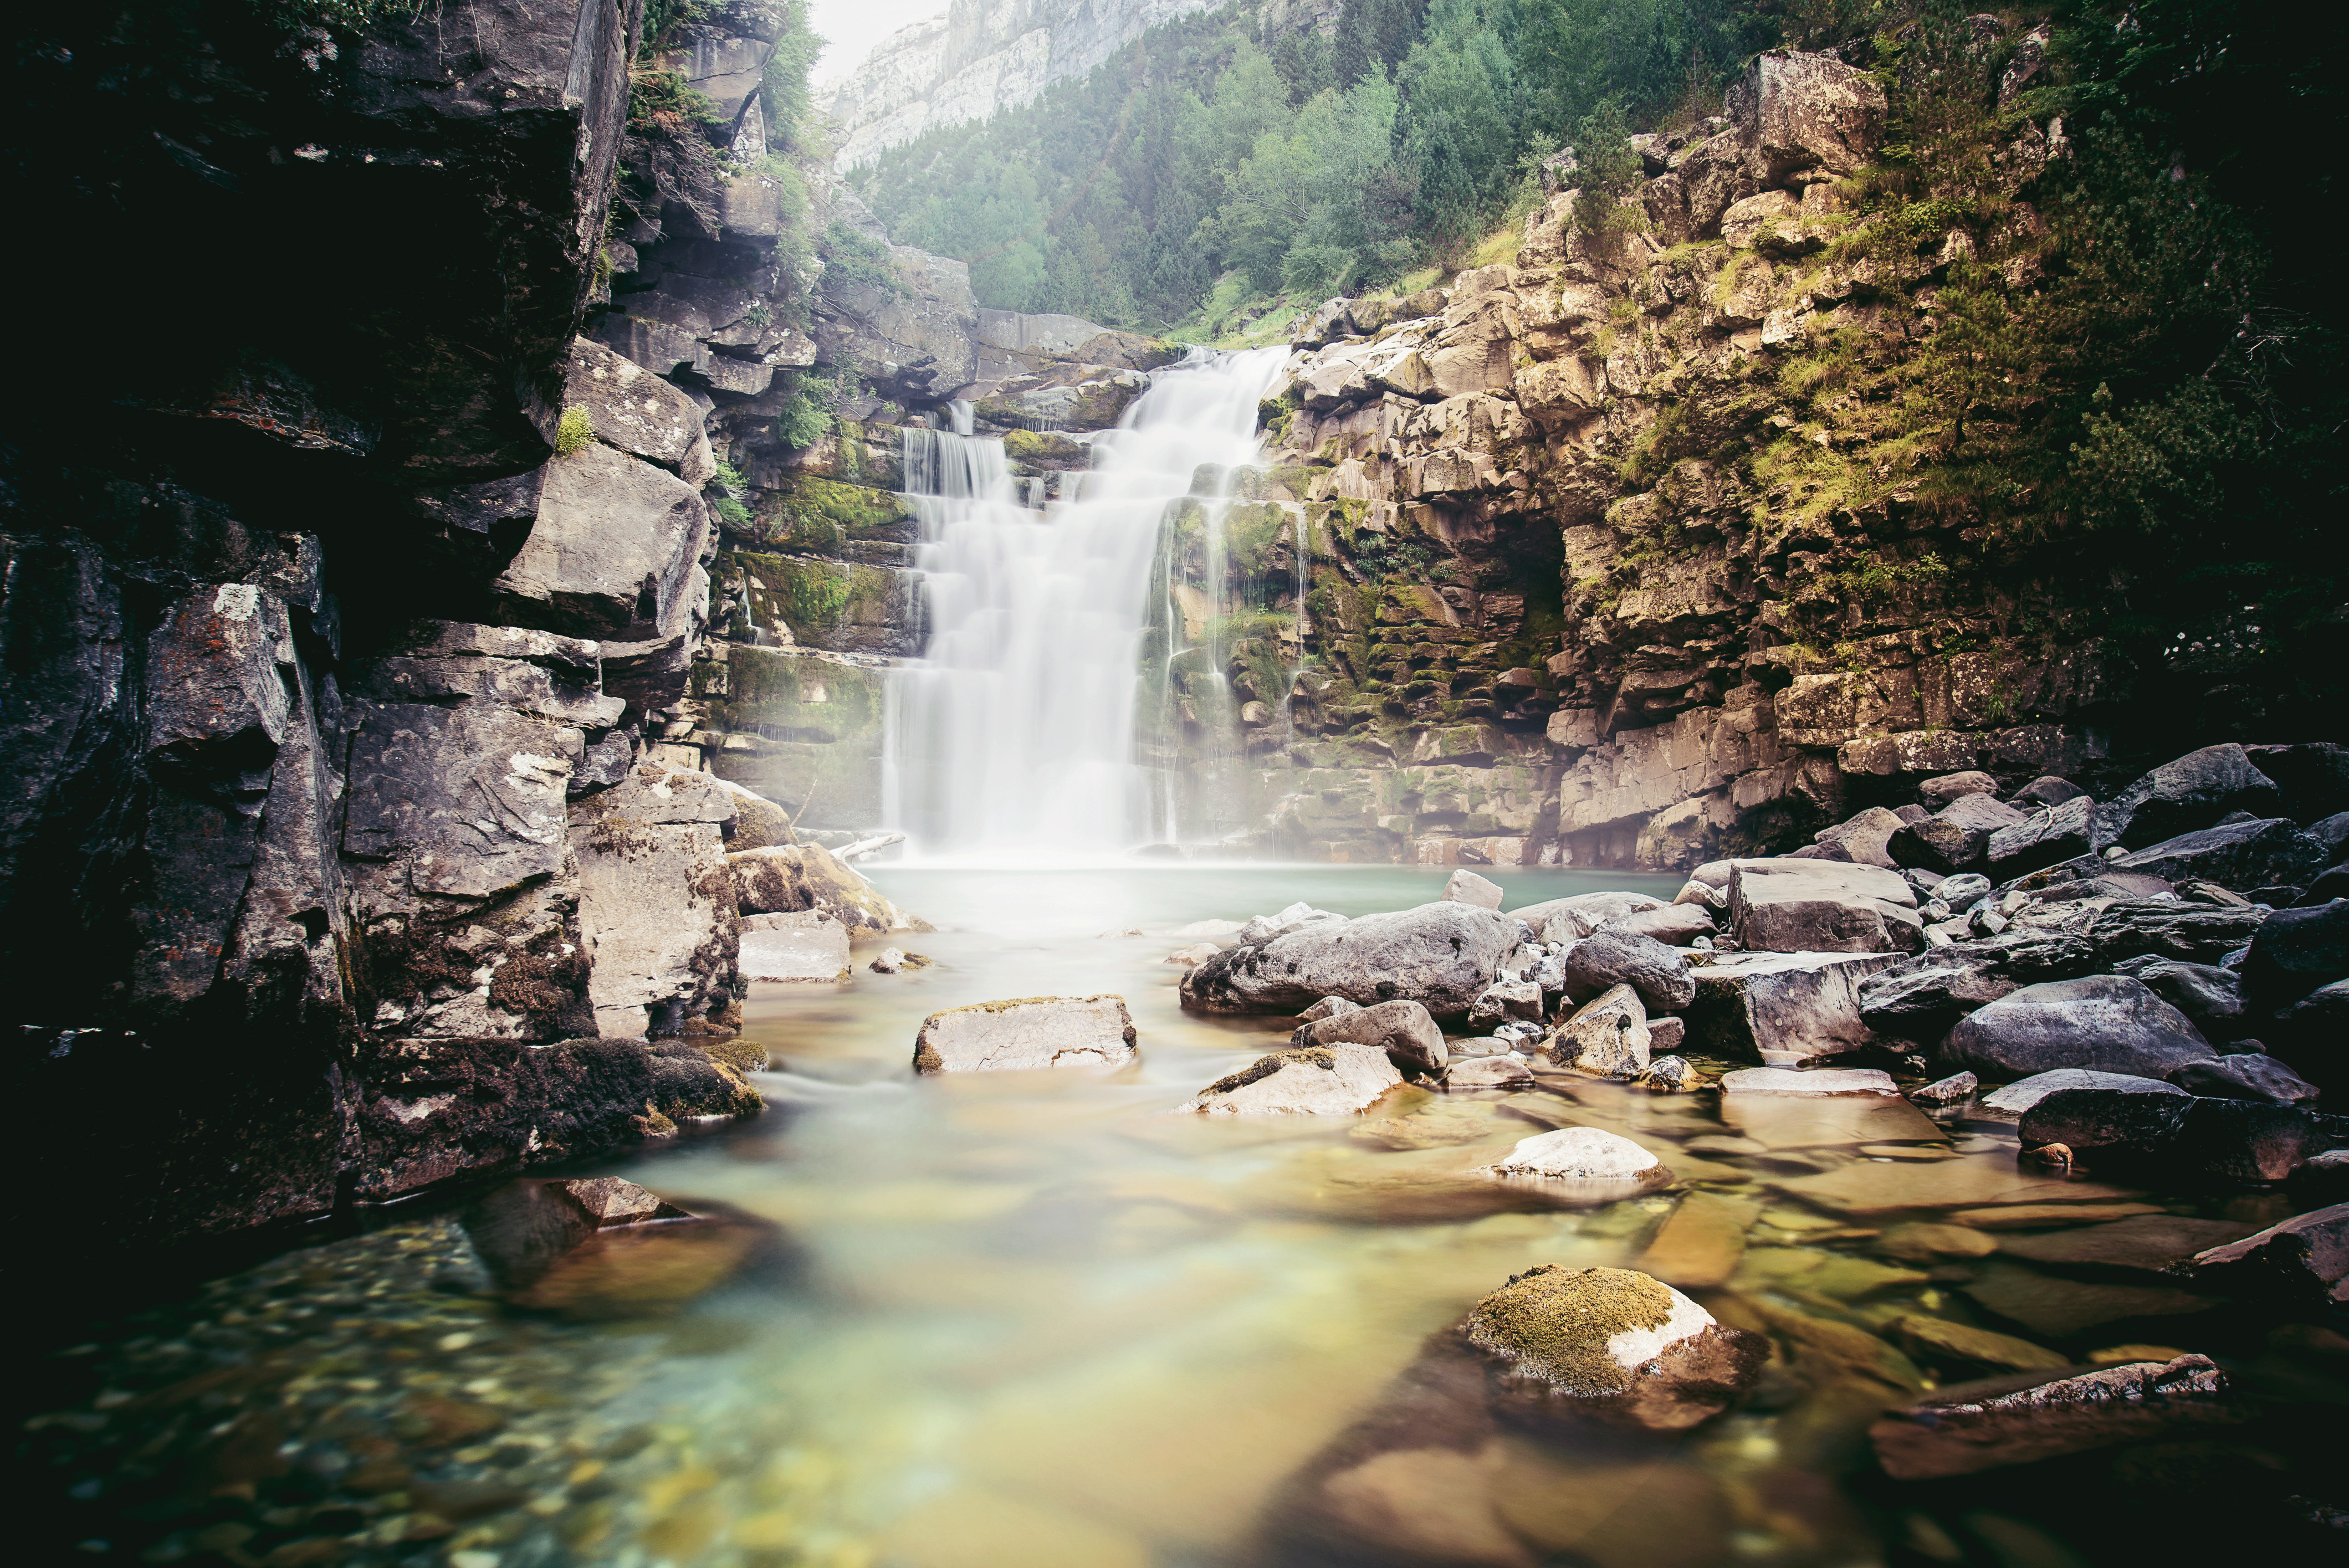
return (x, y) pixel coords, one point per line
(1032, 1319)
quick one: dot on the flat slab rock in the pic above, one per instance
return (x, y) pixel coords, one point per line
(1312, 1080)
(2305, 1257)
(1779, 1008)
(1025, 1034)
(2142, 1244)
(1818, 1081)
(802, 948)
(1974, 1427)
(2013, 1099)
(2059, 1308)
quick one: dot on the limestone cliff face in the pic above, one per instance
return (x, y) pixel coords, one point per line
(1555, 616)
(978, 56)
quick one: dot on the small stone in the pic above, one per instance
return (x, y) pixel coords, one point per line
(1191, 957)
(890, 961)
(1946, 1091)
(1584, 1154)
(1488, 1072)
(1674, 1073)
(609, 1201)
(1328, 1008)
(1665, 1033)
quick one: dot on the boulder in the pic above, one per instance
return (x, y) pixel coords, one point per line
(2211, 997)
(2332, 833)
(1504, 1071)
(1816, 1081)
(1939, 792)
(1465, 886)
(2248, 1076)
(634, 409)
(612, 553)
(2053, 834)
(1505, 1000)
(2108, 1023)
(1973, 1427)
(1674, 925)
(1799, 112)
(656, 910)
(1404, 1030)
(1566, 919)
(1027, 1033)
(2171, 929)
(1673, 1073)
(787, 879)
(1607, 1037)
(1922, 998)
(1862, 839)
(2304, 1259)
(1611, 1345)
(1788, 906)
(1443, 955)
(2295, 952)
(1611, 957)
(1328, 1008)
(2244, 855)
(808, 946)
(1316, 1081)
(2184, 796)
(2046, 791)
(1666, 1033)
(1780, 1008)
(1957, 839)
(2020, 1096)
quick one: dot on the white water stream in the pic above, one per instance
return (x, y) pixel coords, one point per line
(1014, 734)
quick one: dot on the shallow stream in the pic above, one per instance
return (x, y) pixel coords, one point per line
(1030, 1320)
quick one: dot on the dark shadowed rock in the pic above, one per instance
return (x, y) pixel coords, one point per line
(2269, 852)
(1404, 1030)
(2046, 790)
(1611, 957)
(1789, 905)
(1442, 955)
(1921, 998)
(2108, 1023)
(2047, 837)
(2251, 1141)
(2141, 1243)
(1608, 1345)
(2211, 997)
(2296, 951)
(2172, 929)
(2017, 1097)
(2304, 1259)
(2184, 796)
(1973, 1426)
(2312, 775)
(2250, 1076)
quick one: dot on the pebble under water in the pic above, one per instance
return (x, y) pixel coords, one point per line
(1030, 1319)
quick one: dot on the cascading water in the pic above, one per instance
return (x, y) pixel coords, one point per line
(1015, 733)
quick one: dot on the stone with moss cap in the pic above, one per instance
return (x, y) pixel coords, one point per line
(1026, 1032)
(1610, 1344)
(1336, 1080)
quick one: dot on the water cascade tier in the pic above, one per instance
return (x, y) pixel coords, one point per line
(1016, 733)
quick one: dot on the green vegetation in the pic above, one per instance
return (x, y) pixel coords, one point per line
(1204, 172)
(572, 432)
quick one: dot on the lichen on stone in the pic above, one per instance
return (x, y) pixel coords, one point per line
(1557, 1323)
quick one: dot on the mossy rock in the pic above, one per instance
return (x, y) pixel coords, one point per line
(816, 516)
(1046, 448)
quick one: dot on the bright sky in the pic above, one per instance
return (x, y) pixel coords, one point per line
(852, 26)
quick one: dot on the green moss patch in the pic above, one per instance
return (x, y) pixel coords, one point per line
(1556, 1322)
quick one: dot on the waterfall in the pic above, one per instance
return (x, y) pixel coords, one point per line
(1016, 732)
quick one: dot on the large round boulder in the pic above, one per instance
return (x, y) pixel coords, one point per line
(1612, 1345)
(1406, 1031)
(1443, 956)
(1611, 957)
(2105, 1023)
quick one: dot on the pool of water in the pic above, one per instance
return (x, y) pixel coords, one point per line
(1033, 1320)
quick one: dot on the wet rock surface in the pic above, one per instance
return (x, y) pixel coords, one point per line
(1029, 1033)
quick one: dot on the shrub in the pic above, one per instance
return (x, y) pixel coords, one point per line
(575, 431)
